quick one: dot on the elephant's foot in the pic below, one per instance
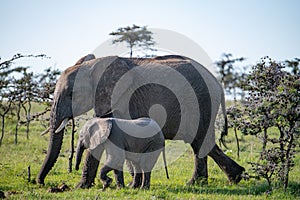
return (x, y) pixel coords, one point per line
(84, 184)
(146, 181)
(40, 182)
(137, 180)
(201, 181)
(230, 167)
(120, 186)
(200, 174)
(119, 176)
(106, 183)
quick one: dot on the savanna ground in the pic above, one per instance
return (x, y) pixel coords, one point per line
(14, 160)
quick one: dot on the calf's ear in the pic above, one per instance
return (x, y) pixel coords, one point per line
(99, 132)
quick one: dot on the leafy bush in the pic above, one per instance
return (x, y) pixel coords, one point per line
(273, 101)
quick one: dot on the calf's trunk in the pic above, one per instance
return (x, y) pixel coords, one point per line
(79, 152)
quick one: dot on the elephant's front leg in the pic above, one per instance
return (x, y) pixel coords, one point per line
(137, 177)
(231, 168)
(200, 174)
(131, 171)
(104, 178)
(146, 180)
(89, 171)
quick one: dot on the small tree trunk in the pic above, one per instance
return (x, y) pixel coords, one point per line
(235, 129)
(27, 114)
(28, 119)
(72, 146)
(2, 128)
(281, 143)
(28, 173)
(288, 161)
(265, 139)
(269, 183)
(237, 142)
(282, 154)
(3, 121)
(18, 121)
(130, 52)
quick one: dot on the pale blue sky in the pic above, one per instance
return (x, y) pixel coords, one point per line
(67, 30)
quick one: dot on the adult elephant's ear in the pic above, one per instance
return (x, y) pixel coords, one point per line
(100, 131)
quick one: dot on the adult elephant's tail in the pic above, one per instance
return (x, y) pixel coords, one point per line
(225, 127)
(165, 162)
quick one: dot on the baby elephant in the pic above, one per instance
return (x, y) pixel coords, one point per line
(139, 141)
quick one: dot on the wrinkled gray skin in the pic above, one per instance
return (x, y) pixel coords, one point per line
(122, 139)
(96, 92)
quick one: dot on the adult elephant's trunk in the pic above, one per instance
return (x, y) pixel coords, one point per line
(55, 143)
(52, 154)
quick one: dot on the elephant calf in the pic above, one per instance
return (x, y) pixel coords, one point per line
(139, 141)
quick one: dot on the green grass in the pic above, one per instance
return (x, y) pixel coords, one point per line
(14, 160)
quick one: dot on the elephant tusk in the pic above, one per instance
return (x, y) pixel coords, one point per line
(62, 125)
(45, 131)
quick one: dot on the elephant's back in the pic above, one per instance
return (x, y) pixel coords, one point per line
(169, 60)
(140, 128)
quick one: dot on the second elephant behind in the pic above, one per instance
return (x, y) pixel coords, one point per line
(139, 141)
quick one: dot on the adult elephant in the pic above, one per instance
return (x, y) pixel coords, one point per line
(177, 92)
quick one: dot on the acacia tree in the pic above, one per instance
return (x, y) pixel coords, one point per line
(20, 96)
(230, 75)
(44, 93)
(6, 102)
(27, 94)
(46, 85)
(294, 65)
(16, 93)
(7, 87)
(135, 36)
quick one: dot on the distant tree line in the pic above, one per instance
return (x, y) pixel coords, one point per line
(19, 89)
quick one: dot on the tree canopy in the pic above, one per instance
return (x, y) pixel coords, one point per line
(134, 36)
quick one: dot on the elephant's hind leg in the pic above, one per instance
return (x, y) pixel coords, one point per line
(200, 173)
(119, 176)
(233, 170)
(131, 171)
(137, 177)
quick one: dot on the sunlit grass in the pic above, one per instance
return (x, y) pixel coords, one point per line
(14, 160)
